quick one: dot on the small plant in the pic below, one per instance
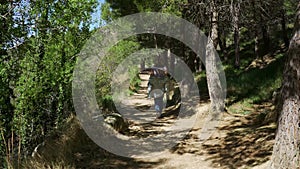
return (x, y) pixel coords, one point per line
(12, 154)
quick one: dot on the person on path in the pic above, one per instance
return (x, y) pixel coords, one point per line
(157, 86)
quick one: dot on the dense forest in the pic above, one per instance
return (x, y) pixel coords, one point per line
(257, 43)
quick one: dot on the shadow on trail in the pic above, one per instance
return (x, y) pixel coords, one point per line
(74, 148)
(154, 127)
(145, 135)
(244, 143)
(91, 156)
(100, 158)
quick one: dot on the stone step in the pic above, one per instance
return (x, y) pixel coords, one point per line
(142, 91)
(144, 77)
(139, 95)
(144, 84)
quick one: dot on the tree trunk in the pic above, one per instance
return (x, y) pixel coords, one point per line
(142, 65)
(255, 30)
(266, 38)
(198, 65)
(172, 64)
(168, 58)
(214, 24)
(157, 58)
(283, 27)
(222, 43)
(213, 79)
(265, 35)
(286, 152)
(256, 45)
(236, 28)
(191, 62)
(165, 56)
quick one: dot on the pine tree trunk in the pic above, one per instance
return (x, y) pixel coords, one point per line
(214, 24)
(283, 27)
(265, 35)
(255, 30)
(236, 28)
(213, 79)
(172, 64)
(142, 65)
(157, 58)
(286, 151)
(222, 43)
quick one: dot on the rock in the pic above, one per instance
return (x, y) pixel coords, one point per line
(117, 122)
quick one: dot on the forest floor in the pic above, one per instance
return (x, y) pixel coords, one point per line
(240, 141)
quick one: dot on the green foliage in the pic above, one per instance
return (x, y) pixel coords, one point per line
(40, 41)
(109, 64)
(9, 72)
(255, 85)
(36, 74)
(149, 6)
(122, 7)
(134, 79)
(174, 7)
(117, 8)
(106, 13)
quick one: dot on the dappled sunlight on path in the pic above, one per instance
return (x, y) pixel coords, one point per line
(237, 142)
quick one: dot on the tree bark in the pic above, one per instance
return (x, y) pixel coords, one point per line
(265, 35)
(266, 38)
(222, 43)
(157, 58)
(283, 27)
(198, 65)
(165, 57)
(213, 79)
(172, 64)
(142, 65)
(214, 23)
(255, 30)
(236, 28)
(286, 152)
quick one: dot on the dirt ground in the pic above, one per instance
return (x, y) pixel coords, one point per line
(240, 141)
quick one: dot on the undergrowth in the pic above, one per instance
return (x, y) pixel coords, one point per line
(253, 83)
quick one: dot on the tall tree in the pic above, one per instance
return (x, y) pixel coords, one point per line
(286, 151)
(283, 26)
(212, 64)
(11, 33)
(58, 31)
(254, 11)
(235, 8)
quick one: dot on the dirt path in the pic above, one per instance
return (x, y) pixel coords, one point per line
(238, 142)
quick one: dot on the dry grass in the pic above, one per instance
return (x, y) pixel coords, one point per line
(59, 149)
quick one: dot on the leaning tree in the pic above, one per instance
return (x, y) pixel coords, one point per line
(286, 151)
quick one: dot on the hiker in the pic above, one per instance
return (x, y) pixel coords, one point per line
(157, 86)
